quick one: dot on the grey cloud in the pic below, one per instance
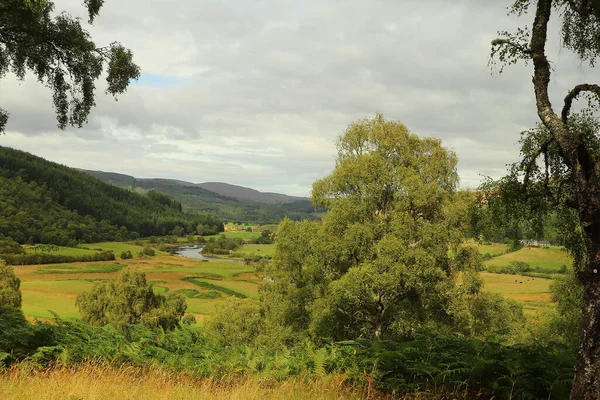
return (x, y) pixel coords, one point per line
(273, 83)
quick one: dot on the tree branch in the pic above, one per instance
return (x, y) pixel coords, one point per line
(585, 87)
(543, 149)
(519, 47)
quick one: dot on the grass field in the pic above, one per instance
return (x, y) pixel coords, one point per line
(53, 288)
(493, 249)
(542, 259)
(532, 293)
(257, 249)
(58, 250)
(235, 235)
(116, 247)
(107, 383)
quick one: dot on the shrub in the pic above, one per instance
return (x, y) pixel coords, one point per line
(130, 300)
(149, 251)
(10, 293)
(125, 255)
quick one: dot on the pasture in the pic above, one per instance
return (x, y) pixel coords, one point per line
(49, 289)
(541, 259)
(235, 235)
(532, 293)
(257, 249)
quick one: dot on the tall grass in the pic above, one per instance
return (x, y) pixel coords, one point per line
(90, 381)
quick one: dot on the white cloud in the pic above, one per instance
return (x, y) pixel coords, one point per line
(264, 88)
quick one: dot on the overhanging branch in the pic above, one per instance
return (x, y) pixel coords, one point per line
(504, 42)
(529, 165)
(584, 87)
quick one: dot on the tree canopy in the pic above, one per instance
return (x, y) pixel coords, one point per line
(62, 56)
(378, 264)
(10, 293)
(130, 300)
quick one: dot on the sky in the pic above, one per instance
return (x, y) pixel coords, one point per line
(256, 92)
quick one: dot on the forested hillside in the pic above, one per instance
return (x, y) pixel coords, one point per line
(195, 198)
(45, 202)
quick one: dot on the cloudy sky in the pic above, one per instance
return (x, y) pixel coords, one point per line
(255, 92)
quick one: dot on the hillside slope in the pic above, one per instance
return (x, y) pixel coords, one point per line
(89, 198)
(244, 193)
(195, 198)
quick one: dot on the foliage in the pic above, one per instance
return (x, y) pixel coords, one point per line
(377, 266)
(10, 293)
(130, 300)
(439, 364)
(49, 258)
(45, 202)
(62, 55)
(222, 246)
(239, 321)
(211, 286)
(125, 255)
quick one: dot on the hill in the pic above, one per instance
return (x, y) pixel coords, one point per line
(244, 193)
(249, 206)
(46, 202)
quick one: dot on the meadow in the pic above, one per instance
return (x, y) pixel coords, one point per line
(549, 260)
(49, 289)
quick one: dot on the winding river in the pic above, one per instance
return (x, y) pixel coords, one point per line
(194, 252)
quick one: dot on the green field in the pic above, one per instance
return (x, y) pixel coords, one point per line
(49, 289)
(116, 247)
(59, 250)
(532, 293)
(493, 249)
(257, 249)
(54, 288)
(540, 259)
(235, 235)
(87, 269)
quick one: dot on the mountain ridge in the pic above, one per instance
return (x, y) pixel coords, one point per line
(222, 188)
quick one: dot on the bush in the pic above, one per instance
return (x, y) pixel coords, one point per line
(10, 293)
(149, 251)
(125, 255)
(130, 300)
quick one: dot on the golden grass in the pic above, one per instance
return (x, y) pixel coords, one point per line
(128, 382)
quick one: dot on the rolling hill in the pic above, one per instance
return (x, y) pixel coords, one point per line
(45, 202)
(222, 200)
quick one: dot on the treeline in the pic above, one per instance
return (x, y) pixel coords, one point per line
(44, 202)
(48, 258)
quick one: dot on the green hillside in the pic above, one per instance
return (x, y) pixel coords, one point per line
(194, 198)
(45, 202)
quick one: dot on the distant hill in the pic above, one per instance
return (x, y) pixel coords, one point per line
(45, 202)
(222, 200)
(244, 193)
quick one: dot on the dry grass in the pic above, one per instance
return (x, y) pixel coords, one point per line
(105, 382)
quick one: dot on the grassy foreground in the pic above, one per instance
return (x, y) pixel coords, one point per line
(128, 382)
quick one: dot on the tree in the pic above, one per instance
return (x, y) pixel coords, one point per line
(580, 22)
(10, 293)
(377, 266)
(130, 300)
(62, 55)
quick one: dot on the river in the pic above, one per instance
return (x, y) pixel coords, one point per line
(194, 252)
